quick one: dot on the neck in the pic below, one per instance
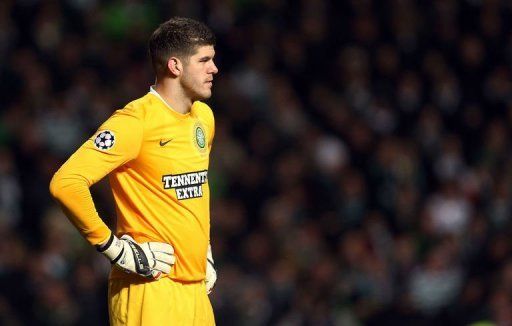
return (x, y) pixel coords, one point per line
(174, 95)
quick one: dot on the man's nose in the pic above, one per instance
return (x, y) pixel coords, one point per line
(214, 69)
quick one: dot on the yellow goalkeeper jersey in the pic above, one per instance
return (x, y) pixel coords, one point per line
(157, 162)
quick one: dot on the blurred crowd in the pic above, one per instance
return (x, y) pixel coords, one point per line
(361, 172)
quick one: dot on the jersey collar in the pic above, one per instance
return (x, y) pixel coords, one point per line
(154, 92)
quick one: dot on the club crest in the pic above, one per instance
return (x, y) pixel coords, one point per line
(199, 137)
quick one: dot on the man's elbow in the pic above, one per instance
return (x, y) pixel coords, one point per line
(56, 187)
(64, 185)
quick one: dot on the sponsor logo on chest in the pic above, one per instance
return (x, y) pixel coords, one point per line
(186, 185)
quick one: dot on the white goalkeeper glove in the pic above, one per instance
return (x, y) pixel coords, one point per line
(149, 259)
(211, 274)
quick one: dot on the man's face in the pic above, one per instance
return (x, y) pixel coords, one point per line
(197, 79)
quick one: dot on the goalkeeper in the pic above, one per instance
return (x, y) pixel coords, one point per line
(156, 153)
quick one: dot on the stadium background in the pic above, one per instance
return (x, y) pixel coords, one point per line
(361, 170)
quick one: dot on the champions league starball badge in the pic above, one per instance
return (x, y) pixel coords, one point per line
(105, 140)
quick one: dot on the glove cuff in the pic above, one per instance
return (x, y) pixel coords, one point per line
(209, 256)
(113, 249)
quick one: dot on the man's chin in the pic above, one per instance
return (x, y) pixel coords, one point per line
(203, 96)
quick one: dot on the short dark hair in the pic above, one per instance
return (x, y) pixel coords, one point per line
(178, 37)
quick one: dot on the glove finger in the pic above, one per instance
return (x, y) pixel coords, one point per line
(162, 267)
(164, 258)
(209, 287)
(160, 247)
(156, 275)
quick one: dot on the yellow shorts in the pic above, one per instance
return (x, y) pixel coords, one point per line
(162, 302)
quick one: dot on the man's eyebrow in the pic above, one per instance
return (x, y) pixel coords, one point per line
(206, 57)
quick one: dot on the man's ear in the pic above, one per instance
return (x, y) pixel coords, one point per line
(175, 66)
